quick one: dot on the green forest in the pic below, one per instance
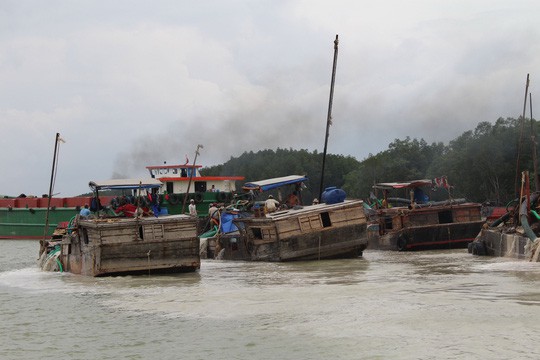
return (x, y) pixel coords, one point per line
(481, 165)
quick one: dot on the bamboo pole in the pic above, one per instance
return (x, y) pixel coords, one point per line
(43, 241)
(521, 134)
(329, 117)
(535, 155)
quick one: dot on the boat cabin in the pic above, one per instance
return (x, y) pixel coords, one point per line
(176, 179)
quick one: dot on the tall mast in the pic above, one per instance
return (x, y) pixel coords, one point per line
(521, 136)
(329, 117)
(51, 186)
(535, 157)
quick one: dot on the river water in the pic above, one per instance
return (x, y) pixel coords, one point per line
(385, 305)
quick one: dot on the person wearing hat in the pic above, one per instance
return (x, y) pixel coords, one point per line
(271, 204)
(213, 212)
(192, 208)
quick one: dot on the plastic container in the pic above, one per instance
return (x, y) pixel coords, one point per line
(333, 195)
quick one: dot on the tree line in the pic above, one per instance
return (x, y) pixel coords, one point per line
(481, 165)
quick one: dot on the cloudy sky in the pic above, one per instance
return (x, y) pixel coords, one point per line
(131, 83)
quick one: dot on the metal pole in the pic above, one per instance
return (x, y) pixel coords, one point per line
(521, 134)
(535, 156)
(329, 117)
(191, 177)
(53, 170)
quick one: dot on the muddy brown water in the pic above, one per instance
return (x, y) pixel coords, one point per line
(385, 305)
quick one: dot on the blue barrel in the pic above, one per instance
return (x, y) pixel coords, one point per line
(333, 195)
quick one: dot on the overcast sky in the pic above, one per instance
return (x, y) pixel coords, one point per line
(134, 83)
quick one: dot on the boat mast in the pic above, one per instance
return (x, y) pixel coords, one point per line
(191, 177)
(329, 117)
(535, 157)
(521, 135)
(51, 185)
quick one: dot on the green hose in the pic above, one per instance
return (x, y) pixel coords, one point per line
(70, 224)
(52, 253)
(59, 265)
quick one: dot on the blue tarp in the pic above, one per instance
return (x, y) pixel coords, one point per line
(227, 224)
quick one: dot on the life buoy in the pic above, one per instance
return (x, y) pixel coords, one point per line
(174, 199)
(198, 197)
(402, 243)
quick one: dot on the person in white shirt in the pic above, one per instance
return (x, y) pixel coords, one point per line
(192, 208)
(271, 204)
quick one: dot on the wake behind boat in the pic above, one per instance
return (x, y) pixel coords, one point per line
(133, 239)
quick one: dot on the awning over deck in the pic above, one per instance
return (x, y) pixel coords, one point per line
(269, 184)
(402, 185)
(125, 184)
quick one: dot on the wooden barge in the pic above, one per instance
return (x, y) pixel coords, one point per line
(421, 224)
(311, 232)
(514, 234)
(105, 244)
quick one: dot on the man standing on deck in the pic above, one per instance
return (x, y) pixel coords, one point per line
(192, 208)
(213, 212)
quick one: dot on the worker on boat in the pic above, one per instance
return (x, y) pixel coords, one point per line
(213, 213)
(271, 204)
(153, 197)
(192, 208)
(292, 200)
(85, 212)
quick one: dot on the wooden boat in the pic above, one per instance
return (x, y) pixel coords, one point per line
(416, 223)
(515, 234)
(336, 229)
(106, 243)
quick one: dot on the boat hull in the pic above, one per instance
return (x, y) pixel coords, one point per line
(310, 233)
(122, 246)
(30, 223)
(437, 227)
(441, 236)
(495, 242)
(26, 218)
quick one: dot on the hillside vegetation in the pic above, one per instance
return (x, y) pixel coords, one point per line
(480, 164)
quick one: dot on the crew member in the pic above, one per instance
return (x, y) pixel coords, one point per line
(271, 204)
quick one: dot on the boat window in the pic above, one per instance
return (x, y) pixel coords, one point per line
(184, 173)
(200, 186)
(169, 187)
(175, 171)
(388, 222)
(141, 233)
(445, 217)
(325, 217)
(257, 233)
